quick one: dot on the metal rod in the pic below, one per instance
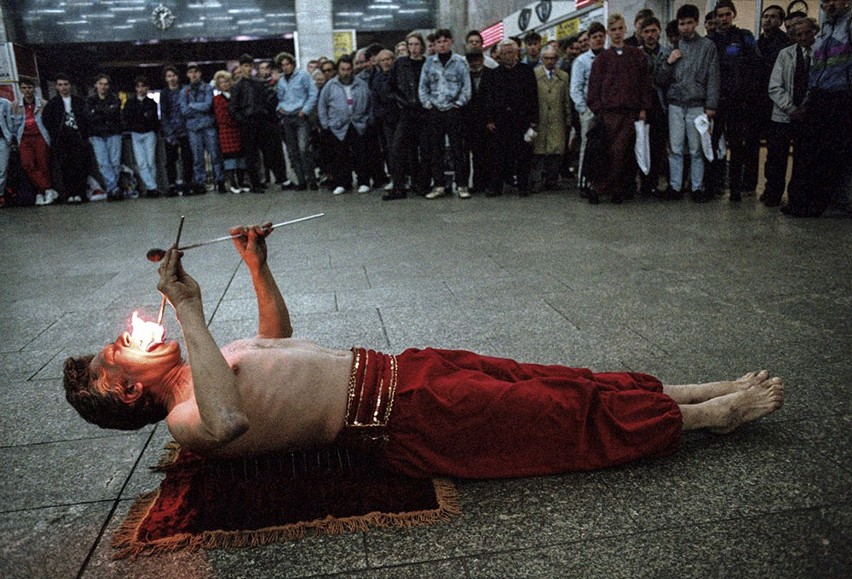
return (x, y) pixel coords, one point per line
(227, 237)
(163, 302)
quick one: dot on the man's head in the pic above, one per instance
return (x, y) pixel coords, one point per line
(319, 78)
(328, 70)
(473, 41)
(312, 66)
(345, 68)
(640, 18)
(401, 49)
(27, 86)
(834, 8)
(710, 22)
(616, 29)
(687, 20)
(771, 18)
(583, 39)
(246, 66)
(791, 21)
(443, 41)
(726, 13)
(385, 59)
(286, 62)
(651, 30)
(597, 36)
(121, 387)
(360, 62)
(102, 85)
(171, 76)
(475, 60)
(508, 53)
(264, 69)
(372, 53)
(193, 72)
(416, 45)
(140, 85)
(806, 31)
(549, 56)
(63, 85)
(532, 42)
(673, 32)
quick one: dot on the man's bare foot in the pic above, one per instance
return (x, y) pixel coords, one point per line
(758, 400)
(696, 393)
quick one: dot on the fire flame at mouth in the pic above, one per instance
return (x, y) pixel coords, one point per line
(145, 334)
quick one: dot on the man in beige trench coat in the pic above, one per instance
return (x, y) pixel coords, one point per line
(554, 106)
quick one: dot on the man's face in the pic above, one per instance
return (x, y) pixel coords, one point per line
(771, 20)
(344, 71)
(415, 48)
(193, 74)
(443, 44)
(710, 25)
(287, 66)
(833, 8)
(476, 64)
(574, 49)
(386, 62)
(63, 87)
(312, 66)
(126, 362)
(474, 42)
(102, 87)
(28, 91)
(584, 42)
(171, 79)
(548, 59)
(616, 32)
(141, 89)
(686, 27)
(533, 49)
(637, 27)
(402, 49)
(725, 19)
(597, 40)
(264, 70)
(805, 34)
(651, 35)
(430, 48)
(328, 70)
(509, 54)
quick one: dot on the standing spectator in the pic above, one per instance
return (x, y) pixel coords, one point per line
(690, 77)
(738, 117)
(619, 94)
(7, 136)
(34, 141)
(409, 153)
(103, 112)
(554, 110)
(710, 23)
(385, 111)
(532, 44)
(473, 43)
(822, 186)
(512, 113)
(401, 49)
(444, 90)
(790, 22)
(325, 140)
(139, 116)
(65, 120)
(230, 141)
(264, 70)
(297, 98)
(479, 142)
(635, 39)
(655, 181)
(345, 107)
(196, 106)
(580, 70)
(175, 135)
(788, 86)
(372, 138)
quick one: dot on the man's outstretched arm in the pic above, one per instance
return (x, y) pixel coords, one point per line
(217, 416)
(272, 313)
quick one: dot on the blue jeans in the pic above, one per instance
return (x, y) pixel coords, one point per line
(108, 155)
(682, 128)
(199, 141)
(295, 132)
(145, 152)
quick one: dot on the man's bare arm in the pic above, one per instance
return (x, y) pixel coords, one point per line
(219, 405)
(272, 313)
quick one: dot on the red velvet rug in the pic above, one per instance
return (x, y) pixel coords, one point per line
(246, 503)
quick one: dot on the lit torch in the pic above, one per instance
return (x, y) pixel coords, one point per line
(145, 334)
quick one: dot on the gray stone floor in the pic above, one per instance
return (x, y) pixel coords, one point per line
(688, 292)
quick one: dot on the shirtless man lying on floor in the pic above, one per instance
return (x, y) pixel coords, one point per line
(425, 412)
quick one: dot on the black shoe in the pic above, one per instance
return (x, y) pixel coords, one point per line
(197, 189)
(300, 187)
(593, 197)
(701, 197)
(152, 194)
(172, 191)
(313, 186)
(769, 201)
(584, 192)
(221, 187)
(286, 185)
(393, 195)
(735, 196)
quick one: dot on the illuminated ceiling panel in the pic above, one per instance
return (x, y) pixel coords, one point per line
(70, 21)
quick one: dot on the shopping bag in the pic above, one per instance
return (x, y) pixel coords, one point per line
(705, 129)
(643, 146)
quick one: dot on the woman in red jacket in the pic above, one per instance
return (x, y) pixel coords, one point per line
(229, 132)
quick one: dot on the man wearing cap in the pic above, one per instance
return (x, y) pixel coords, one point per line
(196, 106)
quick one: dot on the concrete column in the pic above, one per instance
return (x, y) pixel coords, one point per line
(3, 24)
(314, 23)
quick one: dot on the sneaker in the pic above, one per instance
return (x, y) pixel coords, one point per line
(364, 189)
(339, 190)
(75, 199)
(97, 195)
(50, 196)
(463, 192)
(389, 186)
(40, 199)
(235, 190)
(248, 188)
(436, 192)
(286, 185)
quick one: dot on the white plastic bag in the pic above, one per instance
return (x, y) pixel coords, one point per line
(705, 129)
(643, 146)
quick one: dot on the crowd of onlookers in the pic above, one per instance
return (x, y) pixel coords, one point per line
(521, 116)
